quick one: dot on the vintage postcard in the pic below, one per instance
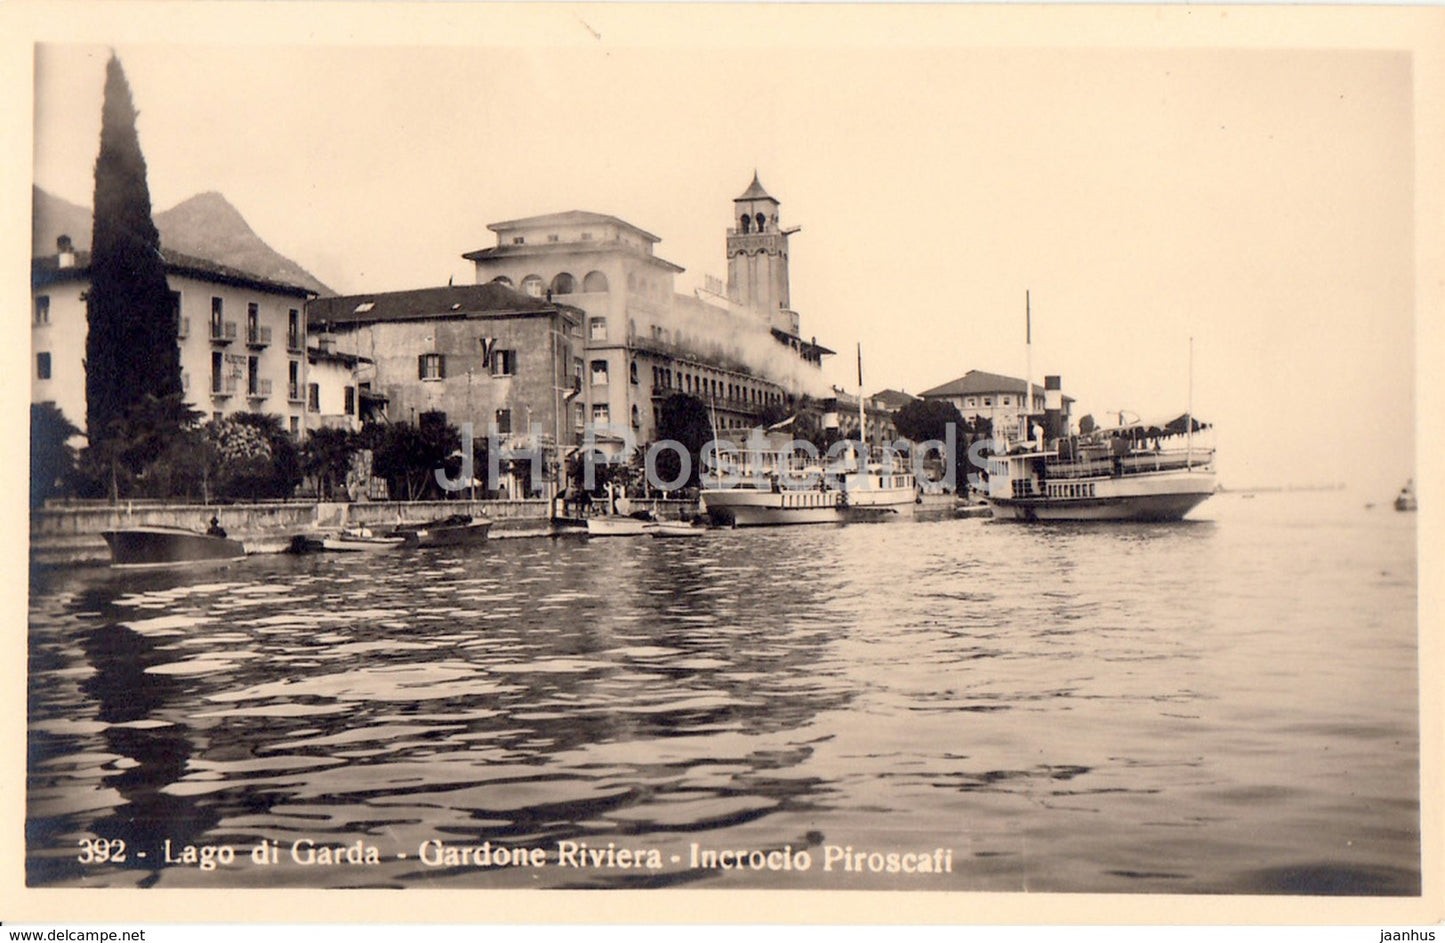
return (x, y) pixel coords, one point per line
(718, 462)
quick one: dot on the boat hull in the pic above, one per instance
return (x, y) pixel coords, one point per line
(163, 546)
(740, 507)
(1163, 497)
(675, 529)
(351, 544)
(446, 535)
(616, 526)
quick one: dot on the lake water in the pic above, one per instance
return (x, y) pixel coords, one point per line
(1227, 705)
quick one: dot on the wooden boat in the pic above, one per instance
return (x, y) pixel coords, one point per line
(359, 539)
(676, 529)
(617, 525)
(159, 545)
(454, 531)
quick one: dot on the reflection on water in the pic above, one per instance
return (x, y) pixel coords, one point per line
(1227, 705)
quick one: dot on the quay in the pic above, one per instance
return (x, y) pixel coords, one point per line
(70, 533)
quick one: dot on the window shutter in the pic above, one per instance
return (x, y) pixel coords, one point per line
(421, 366)
(441, 366)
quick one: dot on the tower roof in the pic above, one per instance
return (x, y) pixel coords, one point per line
(754, 191)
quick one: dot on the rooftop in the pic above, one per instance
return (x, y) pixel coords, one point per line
(569, 218)
(975, 382)
(46, 270)
(754, 191)
(451, 301)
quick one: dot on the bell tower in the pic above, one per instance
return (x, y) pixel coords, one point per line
(758, 257)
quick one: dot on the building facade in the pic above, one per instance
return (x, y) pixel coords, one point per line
(487, 355)
(1000, 399)
(242, 338)
(643, 341)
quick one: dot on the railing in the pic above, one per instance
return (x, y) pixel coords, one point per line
(223, 386)
(293, 341)
(293, 393)
(223, 332)
(1135, 463)
(260, 389)
(258, 337)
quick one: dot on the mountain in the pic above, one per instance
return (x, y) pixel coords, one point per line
(206, 225)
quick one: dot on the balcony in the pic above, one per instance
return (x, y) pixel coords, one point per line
(293, 342)
(260, 389)
(293, 394)
(223, 332)
(223, 386)
(258, 337)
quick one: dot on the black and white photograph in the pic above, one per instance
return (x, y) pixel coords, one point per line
(671, 448)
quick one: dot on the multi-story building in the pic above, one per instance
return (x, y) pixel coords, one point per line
(1000, 399)
(486, 354)
(335, 396)
(242, 338)
(644, 341)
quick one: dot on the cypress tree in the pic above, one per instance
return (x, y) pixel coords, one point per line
(131, 349)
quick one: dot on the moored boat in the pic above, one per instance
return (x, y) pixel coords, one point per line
(617, 525)
(1109, 475)
(160, 545)
(676, 529)
(360, 539)
(453, 531)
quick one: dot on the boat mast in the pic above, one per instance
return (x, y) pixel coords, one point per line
(862, 418)
(1028, 432)
(1189, 413)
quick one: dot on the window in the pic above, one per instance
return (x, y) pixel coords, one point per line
(519, 240)
(532, 285)
(564, 284)
(586, 237)
(553, 237)
(253, 319)
(504, 422)
(218, 369)
(600, 414)
(350, 406)
(597, 329)
(216, 416)
(295, 425)
(293, 381)
(636, 418)
(988, 401)
(313, 397)
(293, 329)
(42, 365)
(1006, 401)
(577, 368)
(42, 309)
(217, 315)
(594, 281)
(504, 363)
(253, 371)
(599, 372)
(433, 367)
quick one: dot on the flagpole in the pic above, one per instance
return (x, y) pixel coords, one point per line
(1189, 414)
(862, 418)
(1028, 368)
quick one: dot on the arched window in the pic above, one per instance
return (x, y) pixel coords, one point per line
(564, 284)
(503, 280)
(762, 222)
(595, 281)
(746, 222)
(636, 417)
(632, 370)
(532, 285)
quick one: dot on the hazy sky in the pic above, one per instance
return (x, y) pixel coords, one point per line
(1259, 200)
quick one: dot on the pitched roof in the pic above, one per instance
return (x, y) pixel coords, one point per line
(978, 381)
(491, 299)
(46, 270)
(894, 399)
(754, 191)
(568, 218)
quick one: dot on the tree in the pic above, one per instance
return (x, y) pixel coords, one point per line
(52, 460)
(327, 457)
(684, 419)
(1087, 424)
(256, 457)
(131, 348)
(922, 419)
(407, 455)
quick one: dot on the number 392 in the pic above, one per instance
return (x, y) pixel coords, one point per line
(101, 850)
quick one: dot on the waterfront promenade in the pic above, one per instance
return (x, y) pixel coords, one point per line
(71, 533)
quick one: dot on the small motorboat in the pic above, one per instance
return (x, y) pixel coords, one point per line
(617, 525)
(454, 531)
(676, 529)
(160, 545)
(360, 538)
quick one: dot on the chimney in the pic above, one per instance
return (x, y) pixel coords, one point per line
(1053, 407)
(66, 252)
